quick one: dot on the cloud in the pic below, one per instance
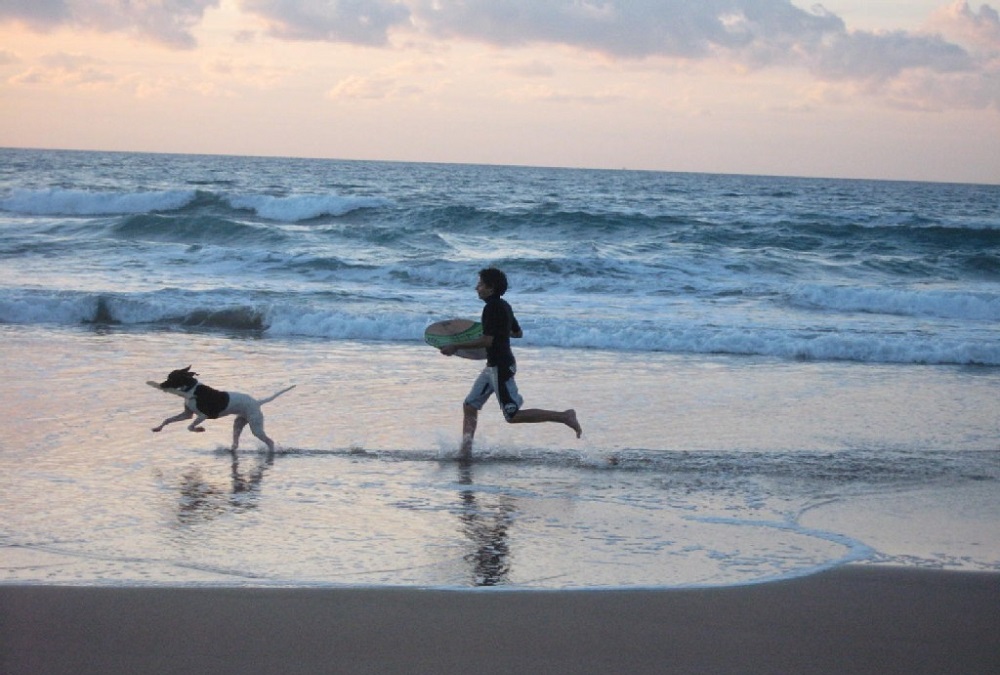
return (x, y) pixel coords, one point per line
(39, 14)
(546, 94)
(363, 22)
(634, 29)
(357, 87)
(955, 59)
(978, 87)
(66, 70)
(168, 22)
(756, 33)
(958, 49)
(391, 83)
(867, 56)
(980, 31)
(7, 57)
(531, 69)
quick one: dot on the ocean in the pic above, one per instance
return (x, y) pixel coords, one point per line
(774, 375)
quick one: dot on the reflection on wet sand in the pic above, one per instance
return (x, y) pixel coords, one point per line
(201, 500)
(486, 525)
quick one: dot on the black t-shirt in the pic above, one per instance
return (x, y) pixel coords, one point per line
(499, 321)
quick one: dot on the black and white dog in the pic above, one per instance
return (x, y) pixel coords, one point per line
(202, 402)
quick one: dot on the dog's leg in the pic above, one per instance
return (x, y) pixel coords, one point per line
(197, 420)
(238, 425)
(187, 414)
(257, 429)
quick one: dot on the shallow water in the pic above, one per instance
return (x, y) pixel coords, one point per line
(693, 470)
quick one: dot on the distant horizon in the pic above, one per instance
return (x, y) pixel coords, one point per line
(490, 164)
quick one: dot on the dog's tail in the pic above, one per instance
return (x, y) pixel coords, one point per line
(274, 396)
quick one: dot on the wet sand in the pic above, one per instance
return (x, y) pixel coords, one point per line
(854, 619)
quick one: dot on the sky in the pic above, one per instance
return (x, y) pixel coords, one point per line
(885, 89)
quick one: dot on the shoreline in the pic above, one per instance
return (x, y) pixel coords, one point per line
(852, 619)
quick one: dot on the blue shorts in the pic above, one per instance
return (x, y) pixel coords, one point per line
(487, 384)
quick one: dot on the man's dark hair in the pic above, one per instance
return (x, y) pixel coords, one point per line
(495, 279)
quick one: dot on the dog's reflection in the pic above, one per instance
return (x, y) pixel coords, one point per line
(202, 499)
(486, 525)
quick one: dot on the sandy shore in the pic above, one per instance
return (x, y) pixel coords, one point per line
(849, 620)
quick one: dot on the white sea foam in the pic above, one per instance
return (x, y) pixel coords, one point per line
(76, 202)
(296, 208)
(368, 322)
(977, 306)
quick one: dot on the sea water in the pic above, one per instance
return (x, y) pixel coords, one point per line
(774, 375)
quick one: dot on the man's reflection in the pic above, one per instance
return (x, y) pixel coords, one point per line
(486, 527)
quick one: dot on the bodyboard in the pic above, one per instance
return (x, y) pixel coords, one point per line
(454, 331)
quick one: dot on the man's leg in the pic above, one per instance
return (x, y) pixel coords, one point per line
(535, 415)
(510, 403)
(470, 418)
(482, 390)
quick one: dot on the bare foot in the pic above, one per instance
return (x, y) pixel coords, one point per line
(572, 423)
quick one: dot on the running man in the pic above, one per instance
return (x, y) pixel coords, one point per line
(499, 326)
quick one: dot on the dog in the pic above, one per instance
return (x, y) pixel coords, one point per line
(202, 402)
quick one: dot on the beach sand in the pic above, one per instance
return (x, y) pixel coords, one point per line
(854, 619)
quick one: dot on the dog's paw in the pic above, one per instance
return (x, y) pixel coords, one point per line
(198, 429)
(156, 430)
